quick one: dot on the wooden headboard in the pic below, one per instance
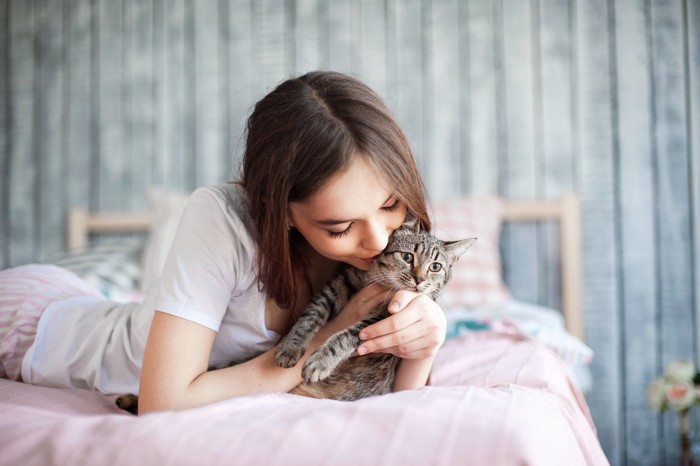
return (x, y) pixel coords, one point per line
(566, 210)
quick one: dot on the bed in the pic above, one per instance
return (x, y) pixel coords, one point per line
(506, 388)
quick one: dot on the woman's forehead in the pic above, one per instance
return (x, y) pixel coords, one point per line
(351, 192)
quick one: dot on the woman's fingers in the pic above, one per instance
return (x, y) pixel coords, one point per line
(401, 300)
(416, 331)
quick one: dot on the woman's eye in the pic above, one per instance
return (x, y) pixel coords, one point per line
(393, 206)
(407, 257)
(339, 234)
(435, 267)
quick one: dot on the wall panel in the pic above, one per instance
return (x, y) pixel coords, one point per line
(637, 233)
(595, 169)
(101, 99)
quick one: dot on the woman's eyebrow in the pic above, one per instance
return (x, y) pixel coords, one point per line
(333, 221)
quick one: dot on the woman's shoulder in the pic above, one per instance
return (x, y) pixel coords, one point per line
(228, 198)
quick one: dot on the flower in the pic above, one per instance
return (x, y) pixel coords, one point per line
(656, 395)
(680, 395)
(677, 389)
(680, 370)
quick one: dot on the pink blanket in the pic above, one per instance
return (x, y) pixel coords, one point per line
(494, 399)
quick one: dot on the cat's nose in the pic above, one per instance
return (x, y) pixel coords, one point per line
(419, 280)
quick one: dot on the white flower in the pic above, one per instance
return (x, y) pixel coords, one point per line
(681, 370)
(656, 395)
(680, 395)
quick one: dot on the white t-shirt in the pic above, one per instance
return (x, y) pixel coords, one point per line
(208, 278)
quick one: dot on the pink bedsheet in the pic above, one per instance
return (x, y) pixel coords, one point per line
(495, 400)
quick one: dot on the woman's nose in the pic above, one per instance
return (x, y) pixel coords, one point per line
(376, 237)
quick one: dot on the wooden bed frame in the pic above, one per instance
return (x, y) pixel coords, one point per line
(566, 210)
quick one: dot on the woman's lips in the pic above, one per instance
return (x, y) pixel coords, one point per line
(369, 260)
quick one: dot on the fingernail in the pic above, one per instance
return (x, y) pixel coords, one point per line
(394, 306)
(363, 335)
(361, 350)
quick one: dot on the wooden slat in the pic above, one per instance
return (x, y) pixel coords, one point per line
(22, 175)
(567, 214)
(373, 46)
(595, 173)
(481, 57)
(5, 136)
(49, 126)
(443, 109)
(636, 187)
(173, 140)
(140, 108)
(553, 130)
(242, 88)
(409, 49)
(210, 133)
(112, 165)
(306, 56)
(269, 42)
(518, 172)
(78, 155)
(81, 225)
(692, 22)
(675, 304)
(340, 35)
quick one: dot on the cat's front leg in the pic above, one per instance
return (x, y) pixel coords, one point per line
(326, 304)
(335, 350)
(295, 343)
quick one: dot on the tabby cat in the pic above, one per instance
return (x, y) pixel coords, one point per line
(413, 260)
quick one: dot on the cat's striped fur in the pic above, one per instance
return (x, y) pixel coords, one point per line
(413, 260)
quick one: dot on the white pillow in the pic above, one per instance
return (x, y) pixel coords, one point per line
(166, 209)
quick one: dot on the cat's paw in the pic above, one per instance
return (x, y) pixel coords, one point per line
(287, 355)
(318, 367)
(128, 402)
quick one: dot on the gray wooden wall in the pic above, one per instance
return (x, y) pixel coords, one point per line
(531, 99)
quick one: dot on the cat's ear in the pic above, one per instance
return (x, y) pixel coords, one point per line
(456, 248)
(411, 224)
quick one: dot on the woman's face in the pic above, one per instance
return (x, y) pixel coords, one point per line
(351, 217)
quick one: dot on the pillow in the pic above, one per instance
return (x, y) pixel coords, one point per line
(477, 278)
(112, 266)
(527, 320)
(166, 209)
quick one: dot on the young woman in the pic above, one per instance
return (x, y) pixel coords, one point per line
(327, 176)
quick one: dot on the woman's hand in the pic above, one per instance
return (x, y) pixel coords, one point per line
(415, 330)
(359, 306)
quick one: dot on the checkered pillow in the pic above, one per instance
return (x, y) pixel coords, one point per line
(111, 266)
(477, 276)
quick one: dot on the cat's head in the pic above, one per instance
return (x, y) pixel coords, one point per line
(416, 260)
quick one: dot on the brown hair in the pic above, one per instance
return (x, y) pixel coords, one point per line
(298, 136)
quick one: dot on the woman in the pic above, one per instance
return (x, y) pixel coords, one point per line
(327, 176)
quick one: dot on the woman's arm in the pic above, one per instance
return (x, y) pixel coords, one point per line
(175, 376)
(415, 332)
(174, 373)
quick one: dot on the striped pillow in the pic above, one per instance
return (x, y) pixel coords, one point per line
(477, 278)
(111, 266)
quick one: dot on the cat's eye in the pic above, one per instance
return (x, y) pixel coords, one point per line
(435, 267)
(407, 257)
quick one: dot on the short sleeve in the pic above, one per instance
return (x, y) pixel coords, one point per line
(207, 262)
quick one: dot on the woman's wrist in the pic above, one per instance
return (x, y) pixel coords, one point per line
(413, 373)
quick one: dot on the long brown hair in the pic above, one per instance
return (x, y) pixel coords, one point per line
(298, 136)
